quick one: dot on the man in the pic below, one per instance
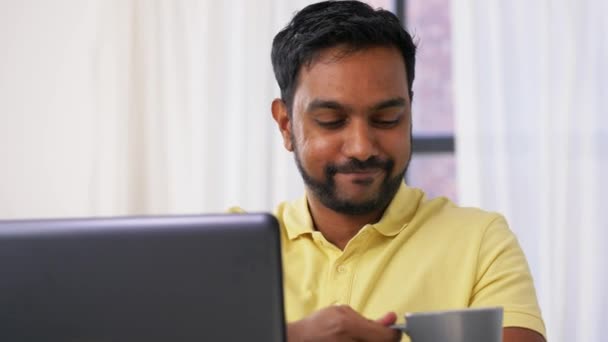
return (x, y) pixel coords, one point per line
(361, 248)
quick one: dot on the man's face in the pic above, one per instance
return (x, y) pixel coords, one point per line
(350, 128)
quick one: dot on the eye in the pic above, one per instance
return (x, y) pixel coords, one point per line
(385, 123)
(331, 124)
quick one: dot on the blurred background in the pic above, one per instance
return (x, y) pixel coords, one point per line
(124, 107)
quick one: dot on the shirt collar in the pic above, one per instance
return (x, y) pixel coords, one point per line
(396, 217)
(298, 220)
(400, 211)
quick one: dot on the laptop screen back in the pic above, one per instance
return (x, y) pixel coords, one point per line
(187, 278)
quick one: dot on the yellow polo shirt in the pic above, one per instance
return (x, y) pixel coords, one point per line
(423, 255)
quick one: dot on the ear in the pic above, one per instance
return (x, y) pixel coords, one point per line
(281, 116)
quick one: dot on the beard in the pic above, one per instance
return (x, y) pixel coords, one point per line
(325, 190)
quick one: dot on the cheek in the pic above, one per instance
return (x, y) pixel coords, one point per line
(317, 152)
(399, 149)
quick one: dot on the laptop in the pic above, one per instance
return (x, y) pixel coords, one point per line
(172, 278)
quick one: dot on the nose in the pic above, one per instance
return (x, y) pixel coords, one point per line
(359, 141)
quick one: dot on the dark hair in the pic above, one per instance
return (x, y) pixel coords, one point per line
(328, 24)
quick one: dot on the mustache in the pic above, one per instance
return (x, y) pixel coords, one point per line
(355, 165)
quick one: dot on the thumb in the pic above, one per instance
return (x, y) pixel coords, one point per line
(388, 319)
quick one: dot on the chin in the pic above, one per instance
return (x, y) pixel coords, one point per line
(359, 200)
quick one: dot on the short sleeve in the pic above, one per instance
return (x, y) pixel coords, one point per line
(504, 279)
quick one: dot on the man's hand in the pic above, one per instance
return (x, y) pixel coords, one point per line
(341, 323)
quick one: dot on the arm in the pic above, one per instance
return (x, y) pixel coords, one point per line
(512, 334)
(504, 279)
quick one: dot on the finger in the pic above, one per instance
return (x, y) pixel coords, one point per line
(363, 329)
(388, 319)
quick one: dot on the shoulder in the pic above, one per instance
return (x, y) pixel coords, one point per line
(481, 237)
(235, 210)
(441, 214)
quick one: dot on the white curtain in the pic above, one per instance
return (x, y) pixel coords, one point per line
(530, 85)
(113, 107)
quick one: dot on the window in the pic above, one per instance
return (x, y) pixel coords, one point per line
(433, 166)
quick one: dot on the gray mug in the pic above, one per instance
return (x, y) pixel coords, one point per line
(467, 325)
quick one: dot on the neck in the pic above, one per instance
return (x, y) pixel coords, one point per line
(339, 228)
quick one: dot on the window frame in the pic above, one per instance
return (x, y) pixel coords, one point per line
(425, 143)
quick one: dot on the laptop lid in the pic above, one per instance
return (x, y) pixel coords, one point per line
(186, 278)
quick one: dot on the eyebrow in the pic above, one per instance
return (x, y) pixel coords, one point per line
(394, 102)
(327, 104)
(330, 104)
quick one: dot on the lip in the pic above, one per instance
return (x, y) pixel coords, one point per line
(362, 174)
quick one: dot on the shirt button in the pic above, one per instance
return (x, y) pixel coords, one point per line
(341, 269)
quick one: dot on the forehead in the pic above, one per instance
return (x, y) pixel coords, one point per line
(361, 77)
